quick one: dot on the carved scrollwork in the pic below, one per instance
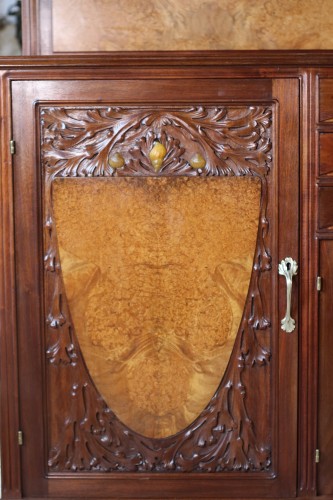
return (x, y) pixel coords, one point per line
(229, 141)
(221, 135)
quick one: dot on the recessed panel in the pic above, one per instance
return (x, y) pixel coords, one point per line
(156, 274)
(326, 100)
(325, 208)
(326, 154)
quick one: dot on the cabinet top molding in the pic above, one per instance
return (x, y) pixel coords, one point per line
(248, 58)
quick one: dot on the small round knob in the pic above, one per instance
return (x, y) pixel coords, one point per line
(116, 160)
(157, 155)
(197, 161)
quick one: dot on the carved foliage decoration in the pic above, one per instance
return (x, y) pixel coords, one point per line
(84, 434)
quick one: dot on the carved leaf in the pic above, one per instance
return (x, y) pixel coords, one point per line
(77, 142)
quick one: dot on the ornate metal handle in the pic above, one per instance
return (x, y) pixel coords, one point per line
(288, 268)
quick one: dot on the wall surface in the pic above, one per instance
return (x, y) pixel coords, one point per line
(113, 25)
(9, 45)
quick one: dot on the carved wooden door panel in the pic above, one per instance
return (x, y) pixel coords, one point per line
(149, 304)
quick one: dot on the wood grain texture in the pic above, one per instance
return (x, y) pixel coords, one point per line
(76, 143)
(325, 433)
(288, 90)
(156, 285)
(326, 154)
(244, 63)
(190, 25)
(9, 416)
(325, 208)
(307, 443)
(326, 99)
(44, 82)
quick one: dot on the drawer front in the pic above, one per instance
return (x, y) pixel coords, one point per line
(326, 154)
(325, 213)
(326, 100)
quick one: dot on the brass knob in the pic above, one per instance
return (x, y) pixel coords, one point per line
(116, 160)
(157, 155)
(197, 161)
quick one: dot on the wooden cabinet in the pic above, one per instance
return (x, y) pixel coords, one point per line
(164, 221)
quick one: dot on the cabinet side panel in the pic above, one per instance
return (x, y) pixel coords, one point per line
(10, 456)
(325, 431)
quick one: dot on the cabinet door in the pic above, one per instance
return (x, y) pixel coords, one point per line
(151, 216)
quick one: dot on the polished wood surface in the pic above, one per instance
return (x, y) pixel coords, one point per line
(62, 26)
(325, 214)
(325, 270)
(325, 154)
(325, 436)
(326, 99)
(235, 142)
(143, 260)
(255, 64)
(27, 210)
(10, 456)
(259, 402)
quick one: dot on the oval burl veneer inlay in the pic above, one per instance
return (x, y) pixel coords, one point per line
(156, 273)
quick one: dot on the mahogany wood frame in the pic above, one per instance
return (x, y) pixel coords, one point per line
(308, 67)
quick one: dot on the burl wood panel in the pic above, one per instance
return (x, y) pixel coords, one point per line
(325, 208)
(326, 154)
(326, 99)
(110, 25)
(325, 429)
(233, 432)
(156, 274)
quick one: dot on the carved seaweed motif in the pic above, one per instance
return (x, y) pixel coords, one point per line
(87, 435)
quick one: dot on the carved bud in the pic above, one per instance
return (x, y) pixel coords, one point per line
(197, 161)
(116, 160)
(157, 155)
